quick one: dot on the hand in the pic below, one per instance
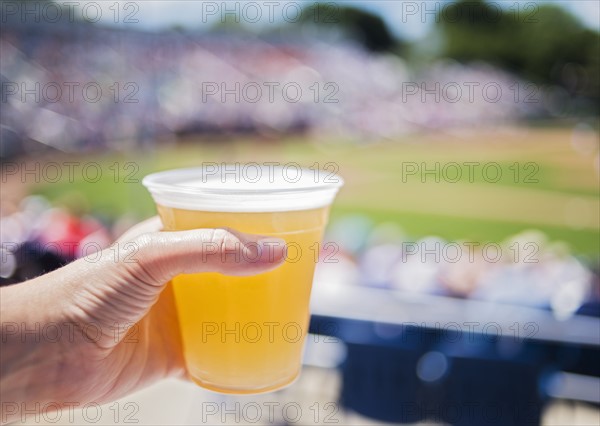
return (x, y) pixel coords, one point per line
(96, 330)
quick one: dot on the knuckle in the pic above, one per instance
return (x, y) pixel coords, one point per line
(148, 267)
(145, 245)
(144, 240)
(224, 239)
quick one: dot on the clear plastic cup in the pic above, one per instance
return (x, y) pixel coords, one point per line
(246, 334)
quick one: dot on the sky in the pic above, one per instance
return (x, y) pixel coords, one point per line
(406, 19)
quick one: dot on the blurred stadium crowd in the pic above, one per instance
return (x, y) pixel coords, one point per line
(525, 269)
(86, 87)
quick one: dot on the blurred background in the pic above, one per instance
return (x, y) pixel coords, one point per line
(459, 282)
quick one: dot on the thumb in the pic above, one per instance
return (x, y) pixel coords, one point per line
(156, 257)
(127, 281)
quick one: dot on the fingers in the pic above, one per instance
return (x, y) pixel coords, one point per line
(162, 255)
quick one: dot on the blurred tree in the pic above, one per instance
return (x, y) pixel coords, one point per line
(537, 43)
(365, 27)
(177, 28)
(231, 24)
(471, 31)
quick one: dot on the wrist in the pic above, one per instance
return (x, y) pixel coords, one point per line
(32, 353)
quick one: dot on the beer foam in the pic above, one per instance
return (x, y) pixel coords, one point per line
(243, 188)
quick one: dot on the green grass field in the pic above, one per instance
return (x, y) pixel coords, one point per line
(544, 183)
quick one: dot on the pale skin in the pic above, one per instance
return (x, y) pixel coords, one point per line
(95, 331)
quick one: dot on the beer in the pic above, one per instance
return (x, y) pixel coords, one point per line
(246, 334)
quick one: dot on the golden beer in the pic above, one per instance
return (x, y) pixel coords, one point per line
(246, 334)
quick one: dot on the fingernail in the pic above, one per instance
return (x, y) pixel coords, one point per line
(269, 248)
(271, 241)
